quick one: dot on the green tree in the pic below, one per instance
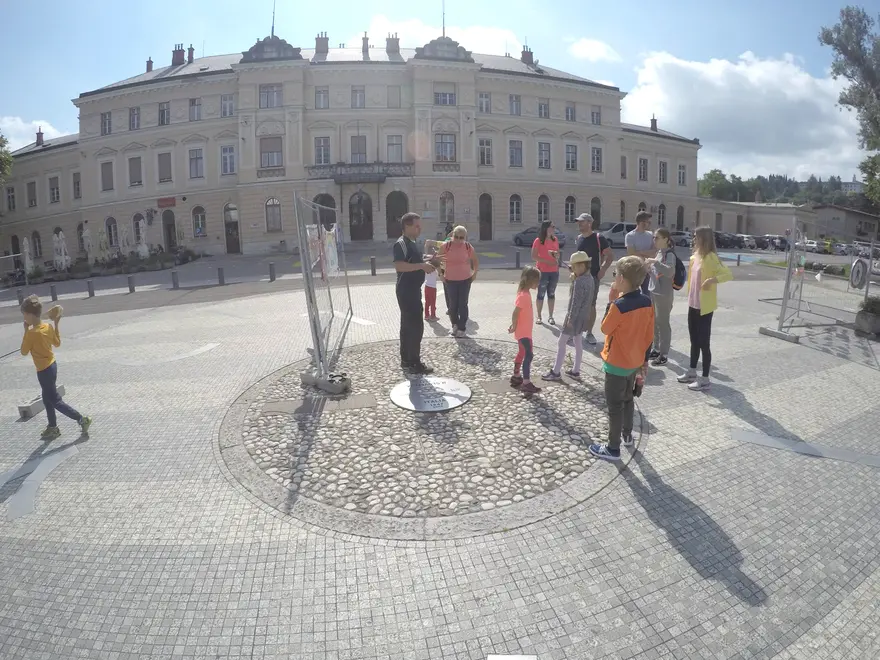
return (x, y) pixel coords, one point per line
(856, 49)
(5, 160)
(714, 184)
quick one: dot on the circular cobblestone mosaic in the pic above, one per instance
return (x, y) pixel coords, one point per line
(384, 469)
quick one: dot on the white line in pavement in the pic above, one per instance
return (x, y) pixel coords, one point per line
(340, 315)
(172, 358)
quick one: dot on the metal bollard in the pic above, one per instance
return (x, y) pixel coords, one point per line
(53, 292)
(518, 266)
(90, 285)
(271, 271)
(20, 296)
(373, 266)
(131, 283)
(738, 257)
(221, 278)
(175, 283)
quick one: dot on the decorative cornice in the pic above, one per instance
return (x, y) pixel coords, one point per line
(134, 146)
(105, 151)
(226, 135)
(195, 137)
(515, 130)
(163, 142)
(544, 132)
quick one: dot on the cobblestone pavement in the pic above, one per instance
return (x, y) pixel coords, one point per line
(145, 543)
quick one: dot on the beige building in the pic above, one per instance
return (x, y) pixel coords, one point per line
(210, 151)
(845, 224)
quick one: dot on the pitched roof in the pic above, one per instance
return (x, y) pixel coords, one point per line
(644, 130)
(846, 209)
(54, 143)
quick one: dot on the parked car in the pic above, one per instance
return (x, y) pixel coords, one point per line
(841, 249)
(823, 246)
(681, 238)
(762, 243)
(528, 236)
(615, 232)
(811, 246)
(725, 240)
(748, 241)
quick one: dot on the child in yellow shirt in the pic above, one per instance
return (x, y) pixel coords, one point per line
(38, 341)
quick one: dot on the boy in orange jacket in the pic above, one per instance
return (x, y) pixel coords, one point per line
(628, 327)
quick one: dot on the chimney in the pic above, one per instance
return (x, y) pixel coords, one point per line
(528, 57)
(149, 65)
(178, 55)
(366, 41)
(322, 44)
(653, 123)
(190, 53)
(40, 136)
(392, 44)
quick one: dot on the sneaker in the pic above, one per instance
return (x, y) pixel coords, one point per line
(516, 381)
(529, 388)
(602, 451)
(84, 425)
(552, 376)
(50, 433)
(659, 361)
(627, 439)
(699, 385)
(654, 354)
(421, 369)
(591, 339)
(688, 376)
(571, 373)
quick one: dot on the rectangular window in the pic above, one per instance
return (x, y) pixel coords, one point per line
(543, 155)
(623, 167)
(164, 168)
(571, 157)
(570, 113)
(270, 152)
(54, 190)
(358, 97)
(227, 105)
(134, 119)
(322, 98)
(195, 109)
(661, 172)
(270, 96)
(106, 123)
(358, 148)
(393, 96)
(596, 159)
(106, 176)
(227, 160)
(485, 103)
(10, 198)
(444, 93)
(515, 104)
(165, 113)
(196, 164)
(395, 149)
(77, 186)
(322, 151)
(544, 108)
(486, 152)
(32, 194)
(515, 148)
(596, 115)
(682, 175)
(134, 172)
(444, 148)
(643, 169)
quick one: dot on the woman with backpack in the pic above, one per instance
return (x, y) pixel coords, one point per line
(461, 266)
(662, 287)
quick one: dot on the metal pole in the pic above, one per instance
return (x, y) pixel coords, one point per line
(870, 269)
(20, 294)
(518, 264)
(311, 305)
(90, 285)
(175, 283)
(131, 283)
(53, 292)
(788, 273)
(221, 276)
(271, 271)
(738, 257)
(373, 266)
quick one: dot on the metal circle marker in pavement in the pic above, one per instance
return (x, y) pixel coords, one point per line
(430, 394)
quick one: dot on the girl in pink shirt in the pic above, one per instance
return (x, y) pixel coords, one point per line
(521, 327)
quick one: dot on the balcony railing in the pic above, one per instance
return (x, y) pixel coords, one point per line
(447, 167)
(269, 172)
(359, 172)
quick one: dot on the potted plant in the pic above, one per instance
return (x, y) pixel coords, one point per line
(868, 316)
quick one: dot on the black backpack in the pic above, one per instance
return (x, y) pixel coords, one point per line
(681, 274)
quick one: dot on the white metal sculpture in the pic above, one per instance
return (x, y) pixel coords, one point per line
(26, 255)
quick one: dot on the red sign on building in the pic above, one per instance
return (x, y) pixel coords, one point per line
(165, 202)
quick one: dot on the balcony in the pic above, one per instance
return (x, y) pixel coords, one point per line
(359, 172)
(447, 167)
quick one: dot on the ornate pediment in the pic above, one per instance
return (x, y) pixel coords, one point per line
(270, 127)
(394, 123)
(105, 151)
(269, 49)
(445, 125)
(163, 142)
(322, 126)
(544, 132)
(226, 135)
(359, 124)
(486, 128)
(195, 137)
(571, 135)
(134, 146)
(444, 48)
(516, 130)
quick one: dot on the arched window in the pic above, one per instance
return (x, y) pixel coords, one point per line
(447, 209)
(543, 209)
(37, 244)
(570, 209)
(622, 211)
(112, 232)
(80, 243)
(136, 223)
(661, 215)
(515, 209)
(200, 223)
(679, 218)
(273, 215)
(643, 206)
(596, 209)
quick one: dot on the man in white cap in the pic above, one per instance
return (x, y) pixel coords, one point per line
(599, 250)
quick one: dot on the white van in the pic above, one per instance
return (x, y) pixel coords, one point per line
(615, 232)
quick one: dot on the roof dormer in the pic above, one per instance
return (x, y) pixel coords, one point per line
(444, 48)
(270, 49)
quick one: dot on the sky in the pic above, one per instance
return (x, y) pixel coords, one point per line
(748, 78)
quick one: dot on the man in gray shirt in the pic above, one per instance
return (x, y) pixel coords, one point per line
(640, 242)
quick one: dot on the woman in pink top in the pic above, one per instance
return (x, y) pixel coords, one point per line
(461, 269)
(545, 252)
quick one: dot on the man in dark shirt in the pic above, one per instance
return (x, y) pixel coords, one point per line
(411, 268)
(601, 256)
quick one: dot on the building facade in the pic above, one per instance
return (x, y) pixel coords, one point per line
(210, 151)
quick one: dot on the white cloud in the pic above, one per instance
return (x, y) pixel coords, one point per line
(753, 116)
(593, 50)
(20, 133)
(414, 33)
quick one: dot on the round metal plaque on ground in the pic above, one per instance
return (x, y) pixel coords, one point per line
(430, 394)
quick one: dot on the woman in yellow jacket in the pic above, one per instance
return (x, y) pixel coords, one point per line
(706, 273)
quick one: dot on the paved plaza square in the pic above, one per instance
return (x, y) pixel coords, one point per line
(218, 510)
